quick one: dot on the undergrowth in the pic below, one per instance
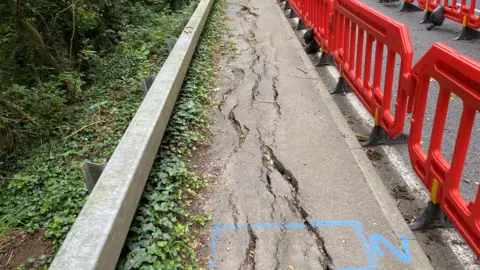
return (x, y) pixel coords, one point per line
(41, 185)
(161, 233)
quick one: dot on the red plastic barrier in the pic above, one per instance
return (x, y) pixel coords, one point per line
(454, 10)
(350, 58)
(297, 6)
(460, 75)
(317, 15)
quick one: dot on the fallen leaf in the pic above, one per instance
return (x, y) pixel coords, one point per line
(467, 180)
(373, 155)
(361, 138)
(290, 267)
(476, 183)
(427, 241)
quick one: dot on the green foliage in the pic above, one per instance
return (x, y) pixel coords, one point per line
(38, 87)
(56, 129)
(41, 185)
(161, 232)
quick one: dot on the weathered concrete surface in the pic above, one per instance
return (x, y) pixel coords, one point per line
(96, 239)
(293, 188)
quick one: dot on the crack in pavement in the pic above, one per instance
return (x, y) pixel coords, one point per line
(248, 10)
(235, 213)
(275, 82)
(269, 184)
(250, 251)
(259, 76)
(280, 239)
(295, 204)
(252, 41)
(238, 78)
(238, 127)
(275, 95)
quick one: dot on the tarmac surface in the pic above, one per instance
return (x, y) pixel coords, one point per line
(292, 187)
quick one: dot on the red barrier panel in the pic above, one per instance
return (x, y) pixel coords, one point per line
(351, 57)
(309, 7)
(460, 75)
(297, 6)
(455, 11)
(317, 14)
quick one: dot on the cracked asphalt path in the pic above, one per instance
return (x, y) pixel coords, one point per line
(289, 193)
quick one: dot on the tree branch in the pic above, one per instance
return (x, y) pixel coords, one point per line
(73, 31)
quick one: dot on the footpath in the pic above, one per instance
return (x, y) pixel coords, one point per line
(293, 188)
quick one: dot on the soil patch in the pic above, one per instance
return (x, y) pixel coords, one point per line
(17, 247)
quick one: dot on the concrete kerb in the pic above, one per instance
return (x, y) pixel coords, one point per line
(390, 210)
(98, 235)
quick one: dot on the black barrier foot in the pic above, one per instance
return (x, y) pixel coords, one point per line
(308, 36)
(378, 136)
(292, 14)
(312, 47)
(342, 87)
(409, 7)
(426, 17)
(468, 33)
(287, 6)
(436, 17)
(301, 25)
(325, 60)
(432, 217)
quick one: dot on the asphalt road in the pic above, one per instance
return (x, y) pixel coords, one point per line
(422, 40)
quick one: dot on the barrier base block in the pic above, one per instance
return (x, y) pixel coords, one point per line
(91, 173)
(432, 217)
(292, 14)
(312, 47)
(342, 87)
(409, 7)
(378, 136)
(308, 36)
(147, 82)
(325, 60)
(426, 17)
(301, 25)
(468, 33)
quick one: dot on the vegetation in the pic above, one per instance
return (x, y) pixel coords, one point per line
(55, 54)
(69, 84)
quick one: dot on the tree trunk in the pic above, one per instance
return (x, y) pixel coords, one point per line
(41, 47)
(25, 26)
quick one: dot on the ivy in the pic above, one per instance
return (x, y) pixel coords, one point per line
(41, 185)
(161, 233)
